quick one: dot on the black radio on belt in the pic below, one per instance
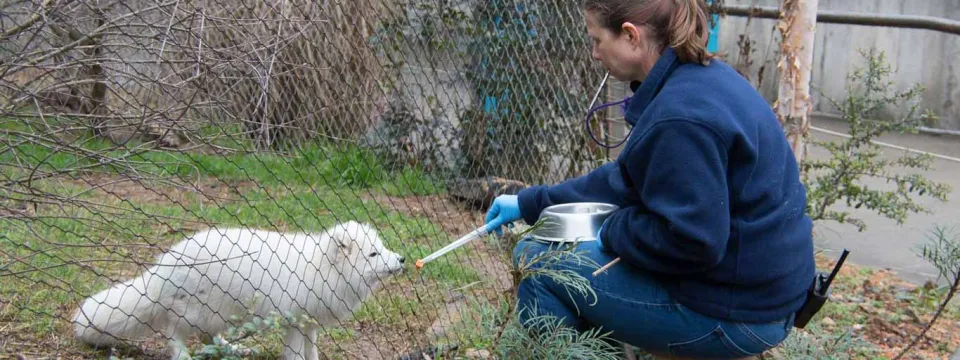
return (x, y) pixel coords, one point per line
(817, 294)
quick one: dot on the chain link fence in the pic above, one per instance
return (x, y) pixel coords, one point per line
(130, 126)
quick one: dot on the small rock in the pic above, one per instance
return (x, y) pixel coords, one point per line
(477, 354)
(828, 322)
(855, 299)
(903, 288)
(774, 354)
(453, 297)
(904, 296)
(857, 327)
(913, 315)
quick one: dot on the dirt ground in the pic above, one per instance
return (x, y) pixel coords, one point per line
(883, 313)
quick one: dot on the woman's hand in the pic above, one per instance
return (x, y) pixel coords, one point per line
(504, 211)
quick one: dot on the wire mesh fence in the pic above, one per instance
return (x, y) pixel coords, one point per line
(153, 151)
(238, 177)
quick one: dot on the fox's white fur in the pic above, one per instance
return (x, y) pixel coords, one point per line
(200, 283)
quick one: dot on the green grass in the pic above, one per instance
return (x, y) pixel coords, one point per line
(317, 166)
(308, 190)
(312, 164)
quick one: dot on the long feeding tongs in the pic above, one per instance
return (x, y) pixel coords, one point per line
(476, 233)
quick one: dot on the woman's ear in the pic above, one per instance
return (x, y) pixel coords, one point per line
(632, 32)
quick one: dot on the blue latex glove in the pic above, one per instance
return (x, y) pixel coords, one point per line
(504, 211)
(600, 240)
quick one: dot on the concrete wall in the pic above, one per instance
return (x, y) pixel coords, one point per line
(916, 56)
(435, 84)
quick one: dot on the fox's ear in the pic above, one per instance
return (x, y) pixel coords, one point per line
(339, 236)
(344, 236)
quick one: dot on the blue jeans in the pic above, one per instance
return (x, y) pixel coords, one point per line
(635, 309)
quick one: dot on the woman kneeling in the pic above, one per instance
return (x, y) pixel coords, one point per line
(716, 246)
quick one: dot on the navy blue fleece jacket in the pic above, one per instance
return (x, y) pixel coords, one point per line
(710, 195)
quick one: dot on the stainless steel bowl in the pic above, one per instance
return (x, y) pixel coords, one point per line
(572, 222)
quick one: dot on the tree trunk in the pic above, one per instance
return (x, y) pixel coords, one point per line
(797, 25)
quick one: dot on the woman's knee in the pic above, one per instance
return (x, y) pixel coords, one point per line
(536, 298)
(527, 249)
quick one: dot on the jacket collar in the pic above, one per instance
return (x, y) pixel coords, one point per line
(645, 91)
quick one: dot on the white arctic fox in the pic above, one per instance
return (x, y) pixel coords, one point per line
(200, 283)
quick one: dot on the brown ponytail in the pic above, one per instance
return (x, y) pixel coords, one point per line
(688, 31)
(680, 24)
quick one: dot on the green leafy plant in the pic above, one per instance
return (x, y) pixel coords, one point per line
(231, 344)
(498, 330)
(837, 178)
(943, 251)
(543, 337)
(816, 344)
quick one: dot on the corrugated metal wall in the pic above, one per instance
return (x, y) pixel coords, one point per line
(917, 56)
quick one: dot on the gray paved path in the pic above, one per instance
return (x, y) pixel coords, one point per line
(884, 243)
